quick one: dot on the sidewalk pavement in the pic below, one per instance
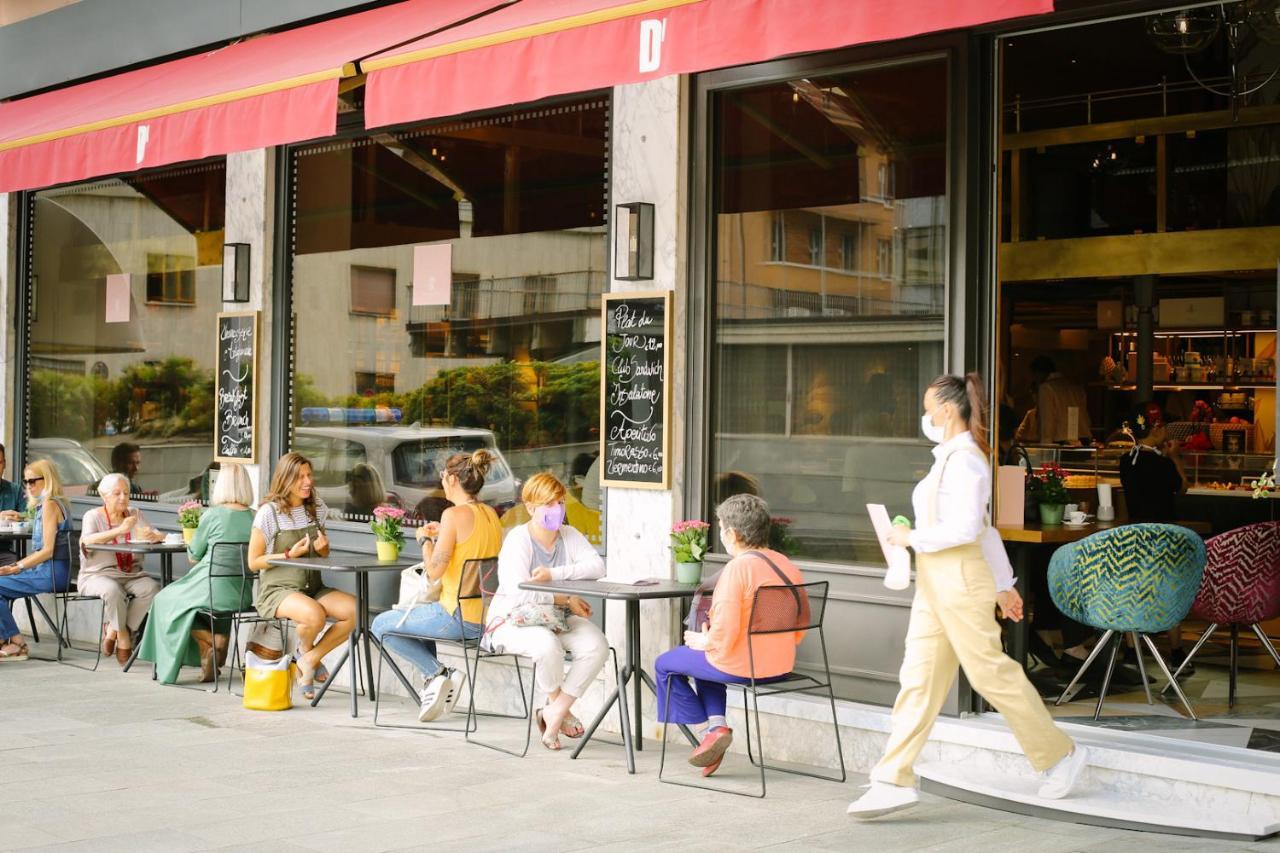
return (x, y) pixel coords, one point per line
(110, 761)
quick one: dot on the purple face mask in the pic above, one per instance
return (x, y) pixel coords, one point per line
(551, 517)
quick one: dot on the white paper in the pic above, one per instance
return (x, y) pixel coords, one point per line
(899, 574)
(628, 581)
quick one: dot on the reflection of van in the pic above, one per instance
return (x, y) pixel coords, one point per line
(409, 459)
(77, 468)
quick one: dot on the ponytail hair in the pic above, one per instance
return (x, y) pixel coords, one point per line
(970, 400)
(470, 469)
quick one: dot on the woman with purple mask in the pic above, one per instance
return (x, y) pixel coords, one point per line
(545, 549)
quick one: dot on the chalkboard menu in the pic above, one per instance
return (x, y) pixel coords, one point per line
(234, 428)
(635, 403)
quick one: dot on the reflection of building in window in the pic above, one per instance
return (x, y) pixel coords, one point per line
(171, 279)
(815, 247)
(777, 237)
(848, 252)
(373, 291)
(368, 383)
(539, 293)
(884, 258)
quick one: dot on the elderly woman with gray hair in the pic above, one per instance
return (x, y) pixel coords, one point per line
(692, 678)
(117, 579)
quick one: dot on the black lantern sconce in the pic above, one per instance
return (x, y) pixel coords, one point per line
(235, 272)
(633, 241)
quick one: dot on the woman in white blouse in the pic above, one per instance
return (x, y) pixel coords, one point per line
(961, 576)
(545, 549)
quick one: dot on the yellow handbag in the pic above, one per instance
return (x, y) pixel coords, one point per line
(268, 685)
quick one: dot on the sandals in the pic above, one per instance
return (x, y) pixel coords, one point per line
(20, 653)
(306, 677)
(571, 727)
(552, 743)
(108, 641)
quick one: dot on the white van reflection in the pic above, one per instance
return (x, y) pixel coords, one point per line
(78, 469)
(357, 467)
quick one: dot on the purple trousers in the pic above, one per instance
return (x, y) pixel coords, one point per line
(685, 703)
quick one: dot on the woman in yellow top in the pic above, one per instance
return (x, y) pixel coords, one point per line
(468, 530)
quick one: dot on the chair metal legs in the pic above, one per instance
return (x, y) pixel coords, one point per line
(1266, 642)
(526, 701)
(64, 632)
(1233, 655)
(1069, 692)
(1142, 667)
(1155, 653)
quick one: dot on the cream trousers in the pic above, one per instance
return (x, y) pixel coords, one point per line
(953, 621)
(584, 642)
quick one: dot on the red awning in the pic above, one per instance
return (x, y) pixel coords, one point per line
(268, 90)
(538, 48)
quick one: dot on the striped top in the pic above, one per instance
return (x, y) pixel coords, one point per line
(296, 519)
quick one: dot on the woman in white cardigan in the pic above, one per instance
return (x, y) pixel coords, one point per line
(545, 549)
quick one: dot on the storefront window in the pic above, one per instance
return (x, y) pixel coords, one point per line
(830, 262)
(126, 278)
(505, 356)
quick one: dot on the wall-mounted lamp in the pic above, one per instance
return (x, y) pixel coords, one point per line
(235, 272)
(633, 241)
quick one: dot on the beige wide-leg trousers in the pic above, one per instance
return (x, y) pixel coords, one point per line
(953, 621)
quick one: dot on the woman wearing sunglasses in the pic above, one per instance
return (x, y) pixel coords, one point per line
(47, 568)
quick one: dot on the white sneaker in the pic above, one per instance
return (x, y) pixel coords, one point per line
(432, 699)
(882, 798)
(1062, 778)
(453, 691)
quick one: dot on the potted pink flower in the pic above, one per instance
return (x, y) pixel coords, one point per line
(189, 519)
(689, 546)
(386, 530)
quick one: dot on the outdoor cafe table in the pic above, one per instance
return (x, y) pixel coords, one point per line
(1021, 541)
(632, 671)
(359, 565)
(166, 550)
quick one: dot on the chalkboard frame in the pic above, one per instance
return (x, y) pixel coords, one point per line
(605, 305)
(253, 390)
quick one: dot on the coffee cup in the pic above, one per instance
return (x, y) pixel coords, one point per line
(1076, 517)
(173, 538)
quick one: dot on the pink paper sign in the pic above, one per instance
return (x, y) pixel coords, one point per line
(432, 274)
(118, 298)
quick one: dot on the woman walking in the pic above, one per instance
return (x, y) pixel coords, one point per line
(958, 557)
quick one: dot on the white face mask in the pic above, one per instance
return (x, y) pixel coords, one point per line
(931, 432)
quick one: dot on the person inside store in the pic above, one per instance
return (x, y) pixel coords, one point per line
(11, 509)
(118, 579)
(542, 626)
(691, 678)
(468, 530)
(126, 459)
(364, 491)
(290, 524)
(1152, 474)
(47, 568)
(172, 638)
(953, 612)
(1056, 399)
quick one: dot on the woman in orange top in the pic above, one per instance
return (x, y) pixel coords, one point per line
(722, 654)
(468, 530)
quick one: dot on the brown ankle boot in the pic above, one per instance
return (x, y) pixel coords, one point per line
(205, 641)
(220, 646)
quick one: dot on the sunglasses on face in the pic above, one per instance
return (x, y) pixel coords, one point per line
(32, 481)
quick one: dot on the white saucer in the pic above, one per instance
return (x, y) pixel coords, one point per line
(1081, 524)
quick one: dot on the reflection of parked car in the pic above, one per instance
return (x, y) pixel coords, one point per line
(78, 468)
(408, 459)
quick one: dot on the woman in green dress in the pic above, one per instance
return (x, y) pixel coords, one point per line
(173, 638)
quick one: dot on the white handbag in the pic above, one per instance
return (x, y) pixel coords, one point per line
(416, 588)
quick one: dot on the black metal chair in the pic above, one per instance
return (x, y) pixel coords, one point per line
(70, 596)
(51, 621)
(218, 570)
(488, 581)
(775, 609)
(469, 589)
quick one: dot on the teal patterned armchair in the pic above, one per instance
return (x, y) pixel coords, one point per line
(1138, 579)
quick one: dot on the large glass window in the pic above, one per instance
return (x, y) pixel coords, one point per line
(386, 390)
(126, 278)
(830, 201)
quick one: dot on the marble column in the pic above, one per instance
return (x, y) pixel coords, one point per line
(648, 164)
(250, 218)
